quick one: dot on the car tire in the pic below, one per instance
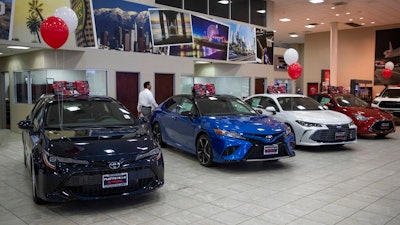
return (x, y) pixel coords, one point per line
(35, 196)
(204, 151)
(158, 136)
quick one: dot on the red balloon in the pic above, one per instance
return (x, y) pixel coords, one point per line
(387, 73)
(295, 70)
(54, 31)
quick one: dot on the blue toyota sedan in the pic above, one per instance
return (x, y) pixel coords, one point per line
(220, 128)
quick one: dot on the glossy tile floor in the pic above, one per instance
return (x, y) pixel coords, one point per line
(353, 184)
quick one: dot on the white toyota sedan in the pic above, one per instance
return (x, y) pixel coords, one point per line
(312, 124)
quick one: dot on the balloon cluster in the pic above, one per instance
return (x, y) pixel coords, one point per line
(55, 29)
(291, 56)
(387, 72)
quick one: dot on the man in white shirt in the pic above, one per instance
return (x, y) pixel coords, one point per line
(146, 102)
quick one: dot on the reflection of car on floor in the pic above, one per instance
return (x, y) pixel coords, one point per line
(389, 100)
(368, 120)
(220, 128)
(88, 147)
(311, 123)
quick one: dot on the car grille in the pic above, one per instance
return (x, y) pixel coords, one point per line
(335, 133)
(256, 152)
(382, 126)
(89, 184)
(389, 104)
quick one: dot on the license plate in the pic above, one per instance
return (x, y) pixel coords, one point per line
(385, 126)
(115, 180)
(270, 149)
(340, 135)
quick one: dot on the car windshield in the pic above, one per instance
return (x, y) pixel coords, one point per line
(216, 106)
(84, 113)
(350, 100)
(391, 93)
(298, 103)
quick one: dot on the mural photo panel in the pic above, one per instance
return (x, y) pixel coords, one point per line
(210, 39)
(170, 27)
(5, 18)
(123, 26)
(265, 46)
(387, 49)
(242, 43)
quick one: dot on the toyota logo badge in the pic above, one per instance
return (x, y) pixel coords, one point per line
(114, 165)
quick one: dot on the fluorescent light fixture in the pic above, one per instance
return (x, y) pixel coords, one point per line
(309, 26)
(18, 47)
(284, 20)
(316, 1)
(261, 11)
(293, 35)
(224, 2)
(202, 62)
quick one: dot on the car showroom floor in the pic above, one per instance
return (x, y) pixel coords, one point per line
(352, 184)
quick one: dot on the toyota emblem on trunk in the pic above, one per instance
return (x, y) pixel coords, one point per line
(114, 165)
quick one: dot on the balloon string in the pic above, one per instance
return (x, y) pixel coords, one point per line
(55, 54)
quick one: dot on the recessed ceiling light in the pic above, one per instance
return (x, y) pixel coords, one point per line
(1, 53)
(293, 35)
(223, 2)
(316, 1)
(284, 20)
(261, 11)
(309, 26)
(18, 47)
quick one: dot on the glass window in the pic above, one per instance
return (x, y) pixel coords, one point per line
(219, 8)
(258, 12)
(196, 6)
(240, 10)
(173, 3)
(30, 85)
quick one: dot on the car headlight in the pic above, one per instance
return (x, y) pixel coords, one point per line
(154, 153)
(375, 102)
(360, 117)
(227, 133)
(51, 160)
(308, 124)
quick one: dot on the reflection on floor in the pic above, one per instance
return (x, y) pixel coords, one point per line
(352, 184)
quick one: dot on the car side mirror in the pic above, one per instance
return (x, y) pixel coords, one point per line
(328, 105)
(25, 124)
(271, 109)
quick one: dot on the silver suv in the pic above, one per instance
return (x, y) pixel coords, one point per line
(389, 100)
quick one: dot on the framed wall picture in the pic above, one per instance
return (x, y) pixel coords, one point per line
(312, 88)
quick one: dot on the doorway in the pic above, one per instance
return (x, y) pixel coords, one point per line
(163, 86)
(128, 90)
(5, 101)
(260, 85)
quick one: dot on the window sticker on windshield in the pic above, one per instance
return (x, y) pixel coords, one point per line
(127, 117)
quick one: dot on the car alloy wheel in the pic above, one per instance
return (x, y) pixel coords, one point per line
(204, 151)
(157, 135)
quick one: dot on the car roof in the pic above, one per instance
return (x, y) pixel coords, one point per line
(279, 95)
(54, 97)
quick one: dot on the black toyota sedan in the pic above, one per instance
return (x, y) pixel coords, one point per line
(88, 147)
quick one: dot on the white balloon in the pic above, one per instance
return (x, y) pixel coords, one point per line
(389, 65)
(68, 16)
(290, 56)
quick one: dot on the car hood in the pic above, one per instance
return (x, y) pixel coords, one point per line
(248, 124)
(315, 116)
(89, 143)
(369, 112)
